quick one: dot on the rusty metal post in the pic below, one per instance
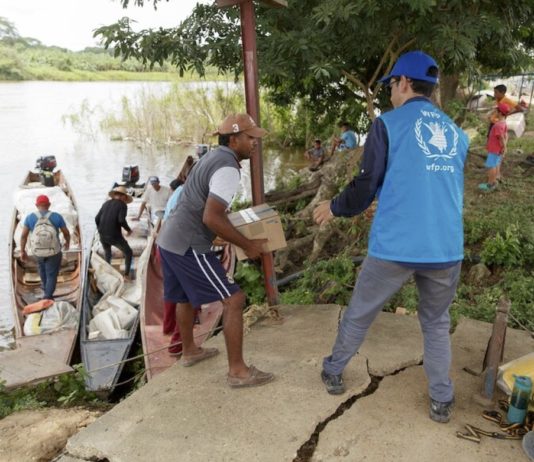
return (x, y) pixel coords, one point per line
(250, 65)
(495, 350)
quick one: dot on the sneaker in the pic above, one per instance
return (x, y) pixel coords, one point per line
(334, 383)
(175, 350)
(441, 412)
(486, 187)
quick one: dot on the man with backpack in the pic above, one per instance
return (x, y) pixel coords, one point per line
(43, 228)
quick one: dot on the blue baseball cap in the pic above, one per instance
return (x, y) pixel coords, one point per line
(153, 179)
(414, 65)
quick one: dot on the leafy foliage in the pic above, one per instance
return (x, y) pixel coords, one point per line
(307, 51)
(333, 279)
(503, 249)
(67, 390)
(250, 279)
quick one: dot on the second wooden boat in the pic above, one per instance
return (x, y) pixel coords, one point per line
(106, 341)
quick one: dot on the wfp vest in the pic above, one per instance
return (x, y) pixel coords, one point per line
(419, 213)
(184, 227)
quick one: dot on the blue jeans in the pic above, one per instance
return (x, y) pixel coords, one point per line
(377, 282)
(48, 270)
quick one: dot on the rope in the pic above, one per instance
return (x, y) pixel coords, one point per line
(133, 358)
(521, 325)
(131, 379)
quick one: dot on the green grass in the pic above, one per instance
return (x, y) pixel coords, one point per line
(67, 390)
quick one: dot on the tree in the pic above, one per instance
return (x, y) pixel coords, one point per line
(9, 34)
(331, 54)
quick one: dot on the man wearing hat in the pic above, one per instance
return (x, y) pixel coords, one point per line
(192, 274)
(110, 220)
(413, 163)
(44, 227)
(156, 197)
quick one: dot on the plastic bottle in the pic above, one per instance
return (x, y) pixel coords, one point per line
(519, 400)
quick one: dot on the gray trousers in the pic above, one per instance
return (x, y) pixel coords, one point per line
(377, 282)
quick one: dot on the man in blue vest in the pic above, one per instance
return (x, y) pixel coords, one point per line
(413, 163)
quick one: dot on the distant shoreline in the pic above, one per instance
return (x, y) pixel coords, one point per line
(56, 75)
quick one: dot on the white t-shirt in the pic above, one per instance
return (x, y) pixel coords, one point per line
(157, 200)
(224, 184)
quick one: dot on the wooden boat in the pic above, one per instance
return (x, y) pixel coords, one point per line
(38, 357)
(155, 343)
(103, 357)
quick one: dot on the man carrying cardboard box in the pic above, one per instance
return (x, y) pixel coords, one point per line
(192, 275)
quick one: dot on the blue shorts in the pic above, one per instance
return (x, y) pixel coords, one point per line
(493, 160)
(195, 278)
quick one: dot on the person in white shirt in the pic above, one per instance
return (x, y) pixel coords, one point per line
(154, 199)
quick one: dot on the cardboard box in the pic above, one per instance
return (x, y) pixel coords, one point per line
(259, 222)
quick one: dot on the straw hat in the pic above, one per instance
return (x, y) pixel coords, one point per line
(120, 190)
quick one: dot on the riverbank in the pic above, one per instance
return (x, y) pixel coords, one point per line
(498, 237)
(21, 62)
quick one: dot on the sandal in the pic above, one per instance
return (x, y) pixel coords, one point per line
(205, 353)
(255, 378)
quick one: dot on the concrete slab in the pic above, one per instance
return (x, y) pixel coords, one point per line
(191, 415)
(393, 423)
(393, 342)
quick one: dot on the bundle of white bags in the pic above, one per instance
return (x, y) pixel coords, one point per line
(115, 313)
(61, 315)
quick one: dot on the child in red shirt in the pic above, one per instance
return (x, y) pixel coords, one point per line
(496, 147)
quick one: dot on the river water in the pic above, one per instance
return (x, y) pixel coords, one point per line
(32, 124)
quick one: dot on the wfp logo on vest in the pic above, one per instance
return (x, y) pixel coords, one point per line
(437, 140)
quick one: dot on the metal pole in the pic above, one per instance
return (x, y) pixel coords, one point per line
(250, 64)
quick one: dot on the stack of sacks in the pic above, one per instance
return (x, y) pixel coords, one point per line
(113, 315)
(132, 292)
(108, 279)
(60, 203)
(61, 315)
(113, 318)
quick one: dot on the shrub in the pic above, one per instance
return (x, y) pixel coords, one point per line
(503, 249)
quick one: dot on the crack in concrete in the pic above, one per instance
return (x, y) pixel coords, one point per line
(306, 451)
(81, 459)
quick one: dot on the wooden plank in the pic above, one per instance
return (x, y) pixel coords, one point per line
(58, 345)
(27, 366)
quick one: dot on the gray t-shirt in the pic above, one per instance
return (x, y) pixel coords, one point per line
(215, 175)
(316, 152)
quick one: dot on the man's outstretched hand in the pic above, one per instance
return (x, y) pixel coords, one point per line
(322, 213)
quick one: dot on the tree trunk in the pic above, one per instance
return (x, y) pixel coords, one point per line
(448, 86)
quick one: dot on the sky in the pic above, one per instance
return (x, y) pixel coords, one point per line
(70, 23)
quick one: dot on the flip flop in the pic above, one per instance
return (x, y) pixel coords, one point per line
(205, 353)
(255, 378)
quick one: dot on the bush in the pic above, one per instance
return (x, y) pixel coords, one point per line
(67, 390)
(332, 279)
(503, 249)
(250, 279)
